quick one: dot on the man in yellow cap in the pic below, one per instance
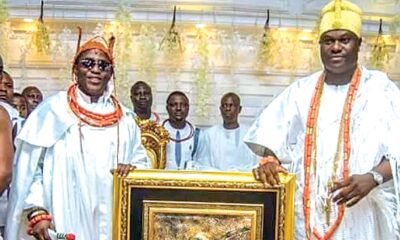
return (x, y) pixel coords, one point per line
(337, 130)
(65, 153)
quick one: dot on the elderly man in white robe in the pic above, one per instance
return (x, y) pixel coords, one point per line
(221, 147)
(339, 131)
(66, 150)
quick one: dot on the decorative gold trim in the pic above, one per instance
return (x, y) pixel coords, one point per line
(154, 138)
(215, 181)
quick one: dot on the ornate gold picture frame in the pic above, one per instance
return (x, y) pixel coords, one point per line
(160, 204)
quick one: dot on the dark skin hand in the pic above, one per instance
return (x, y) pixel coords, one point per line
(124, 169)
(268, 173)
(353, 189)
(40, 230)
(350, 191)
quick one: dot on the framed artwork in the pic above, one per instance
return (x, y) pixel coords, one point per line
(185, 205)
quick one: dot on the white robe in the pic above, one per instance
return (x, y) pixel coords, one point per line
(12, 112)
(375, 132)
(224, 150)
(71, 177)
(187, 147)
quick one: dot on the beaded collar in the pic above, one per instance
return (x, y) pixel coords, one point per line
(310, 153)
(191, 133)
(91, 118)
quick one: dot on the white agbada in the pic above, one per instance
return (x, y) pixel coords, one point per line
(186, 147)
(71, 177)
(375, 133)
(223, 149)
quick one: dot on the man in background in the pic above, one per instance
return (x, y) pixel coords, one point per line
(6, 96)
(34, 96)
(7, 93)
(181, 150)
(6, 100)
(142, 100)
(6, 151)
(221, 146)
(6, 88)
(20, 104)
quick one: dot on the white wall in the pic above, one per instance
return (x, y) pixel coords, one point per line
(232, 50)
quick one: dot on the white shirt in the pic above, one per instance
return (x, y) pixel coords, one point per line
(186, 146)
(223, 149)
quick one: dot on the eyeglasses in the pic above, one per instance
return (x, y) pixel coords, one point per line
(89, 63)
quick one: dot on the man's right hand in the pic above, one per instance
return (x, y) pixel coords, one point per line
(41, 230)
(268, 173)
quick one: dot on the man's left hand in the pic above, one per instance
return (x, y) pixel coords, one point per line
(124, 169)
(350, 191)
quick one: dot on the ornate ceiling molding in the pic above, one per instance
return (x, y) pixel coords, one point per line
(386, 8)
(284, 13)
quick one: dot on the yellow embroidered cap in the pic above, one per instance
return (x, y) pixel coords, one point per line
(341, 14)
